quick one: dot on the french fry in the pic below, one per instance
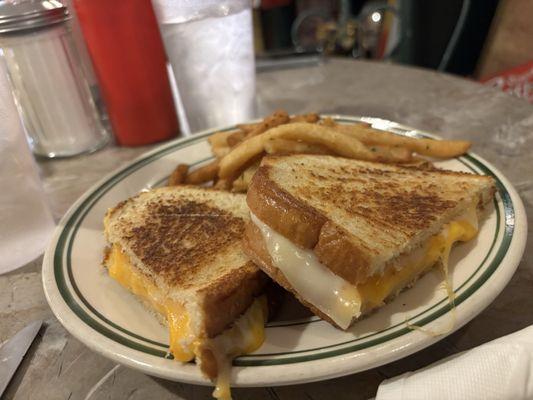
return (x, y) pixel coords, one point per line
(247, 128)
(235, 138)
(219, 139)
(219, 142)
(392, 153)
(178, 176)
(309, 117)
(323, 136)
(243, 181)
(203, 174)
(279, 117)
(221, 151)
(329, 122)
(222, 184)
(286, 146)
(235, 161)
(426, 147)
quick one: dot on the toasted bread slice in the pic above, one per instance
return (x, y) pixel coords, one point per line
(358, 216)
(183, 248)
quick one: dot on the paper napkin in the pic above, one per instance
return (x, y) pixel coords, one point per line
(501, 369)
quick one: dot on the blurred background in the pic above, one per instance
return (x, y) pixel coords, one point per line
(472, 38)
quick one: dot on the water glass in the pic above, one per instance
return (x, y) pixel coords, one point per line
(26, 222)
(209, 44)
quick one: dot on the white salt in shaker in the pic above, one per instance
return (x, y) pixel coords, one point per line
(52, 94)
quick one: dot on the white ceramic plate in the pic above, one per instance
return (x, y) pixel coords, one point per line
(298, 347)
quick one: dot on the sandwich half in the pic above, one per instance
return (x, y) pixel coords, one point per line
(346, 236)
(179, 250)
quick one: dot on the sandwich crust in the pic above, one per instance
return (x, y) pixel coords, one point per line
(355, 215)
(284, 213)
(229, 296)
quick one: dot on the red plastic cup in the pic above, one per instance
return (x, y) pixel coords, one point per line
(129, 59)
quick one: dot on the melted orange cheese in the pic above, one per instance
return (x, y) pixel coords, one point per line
(378, 288)
(181, 339)
(245, 336)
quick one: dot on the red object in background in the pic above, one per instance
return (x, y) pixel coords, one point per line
(130, 63)
(516, 81)
(268, 4)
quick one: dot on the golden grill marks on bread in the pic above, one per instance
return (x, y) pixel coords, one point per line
(359, 218)
(182, 237)
(179, 249)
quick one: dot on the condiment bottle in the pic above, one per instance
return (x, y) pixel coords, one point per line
(125, 45)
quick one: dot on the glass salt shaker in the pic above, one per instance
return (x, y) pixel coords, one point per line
(53, 97)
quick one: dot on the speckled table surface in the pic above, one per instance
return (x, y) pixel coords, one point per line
(501, 127)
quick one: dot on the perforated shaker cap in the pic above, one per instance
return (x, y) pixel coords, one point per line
(20, 15)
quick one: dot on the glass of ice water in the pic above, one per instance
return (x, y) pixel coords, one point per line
(26, 222)
(209, 44)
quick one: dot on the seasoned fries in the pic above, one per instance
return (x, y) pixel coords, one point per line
(426, 147)
(219, 142)
(219, 139)
(233, 163)
(222, 184)
(311, 117)
(279, 117)
(392, 153)
(285, 146)
(238, 152)
(178, 176)
(246, 128)
(203, 174)
(241, 183)
(222, 142)
(235, 138)
(220, 152)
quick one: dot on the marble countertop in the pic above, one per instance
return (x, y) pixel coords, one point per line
(501, 127)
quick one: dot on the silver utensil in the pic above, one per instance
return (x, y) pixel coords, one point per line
(12, 352)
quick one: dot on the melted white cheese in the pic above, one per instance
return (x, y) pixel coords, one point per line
(335, 297)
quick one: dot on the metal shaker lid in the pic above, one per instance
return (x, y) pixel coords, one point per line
(19, 15)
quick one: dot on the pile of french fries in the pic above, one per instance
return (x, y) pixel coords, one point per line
(239, 152)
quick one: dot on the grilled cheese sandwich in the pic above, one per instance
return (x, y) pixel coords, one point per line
(347, 236)
(179, 251)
